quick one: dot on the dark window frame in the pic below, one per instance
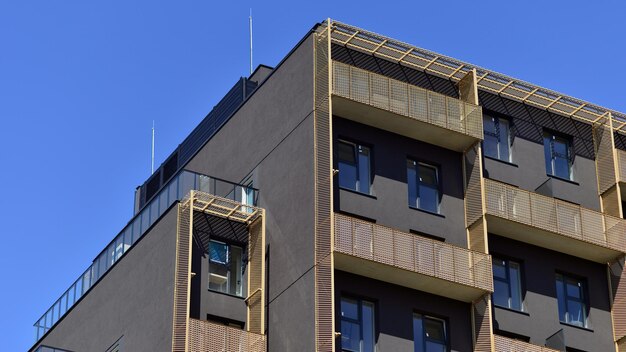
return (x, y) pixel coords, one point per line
(357, 145)
(439, 188)
(359, 321)
(522, 288)
(496, 134)
(554, 136)
(584, 300)
(424, 315)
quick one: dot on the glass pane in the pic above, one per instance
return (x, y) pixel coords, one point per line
(429, 198)
(364, 170)
(547, 151)
(346, 153)
(173, 191)
(418, 334)
(560, 294)
(235, 270)
(575, 313)
(145, 219)
(573, 289)
(432, 346)
(504, 140)
(218, 252)
(350, 336)
(489, 125)
(411, 176)
(136, 228)
(516, 290)
(368, 327)
(561, 167)
(428, 175)
(499, 268)
(347, 176)
(500, 293)
(490, 146)
(349, 309)
(434, 330)
(163, 205)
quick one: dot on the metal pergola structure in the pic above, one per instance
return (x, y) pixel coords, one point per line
(487, 80)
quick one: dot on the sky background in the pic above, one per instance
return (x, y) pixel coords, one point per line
(82, 81)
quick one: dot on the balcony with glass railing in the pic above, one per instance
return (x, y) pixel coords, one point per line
(406, 259)
(173, 191)
(505, 344)
(552, 223)
(405, 109)
(208, 336)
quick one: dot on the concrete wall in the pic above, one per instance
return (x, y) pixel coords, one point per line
(271, 139)
(395, 306)
(389, 204)
(541, 319)
(134, 299)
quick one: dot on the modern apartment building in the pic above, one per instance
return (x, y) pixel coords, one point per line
(367, 195)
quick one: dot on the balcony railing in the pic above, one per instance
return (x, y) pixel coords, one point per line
(175, 190)
(207, 336)
(411, 252)
(621, 162)
(505, 344)
(407, 100)
(553, 215)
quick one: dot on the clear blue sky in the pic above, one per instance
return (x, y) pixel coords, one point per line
(81, 82)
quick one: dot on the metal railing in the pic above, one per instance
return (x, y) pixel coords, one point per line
(505, 344)
(174, 191)
(407, 100)
(412, 252)
(207, 336)
(555, 215)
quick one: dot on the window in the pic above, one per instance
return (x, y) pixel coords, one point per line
(558, 155)
(354, 166)
(225, 268)
(497, 140)
(507, 291)
(423, 181)
(357, 325)
(570, 293)
(429, 334)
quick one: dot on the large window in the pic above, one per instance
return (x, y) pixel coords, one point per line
(558, 154)
(225, 268)
(423, 182)
(429, 334)
(497, 138)
(570, 293)
(357, 325)
(507, 291)
(354, 166)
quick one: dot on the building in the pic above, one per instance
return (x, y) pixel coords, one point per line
(380, 196)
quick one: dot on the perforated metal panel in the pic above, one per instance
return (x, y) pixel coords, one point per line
(617, 276)
(207, 336)
(605, 160)
(473, 185)
(182, 275)
(407, 100)
(505, 344)
(256, 276)
(481, 317)
(407, 251)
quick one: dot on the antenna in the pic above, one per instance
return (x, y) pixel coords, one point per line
(250, 40)
(152, 160)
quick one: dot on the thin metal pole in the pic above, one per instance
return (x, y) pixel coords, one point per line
(152, 158)
(250, 40)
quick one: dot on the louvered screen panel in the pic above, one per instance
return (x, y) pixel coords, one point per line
(621, 160)
(482, 324)
(182, 273)
(473, 184)
(256, 273)
(617, 277)
(207, 336)
(505, 344)
(611, 201)
(605, 161)
(476, 233)
(324, 311)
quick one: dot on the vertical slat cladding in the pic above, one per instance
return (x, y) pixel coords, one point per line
(505, 344)
(605, 161)
(181, 281)
(411, 252)
(324, 329)
(473, 192)
(255, 271)
(482, 324)
(621, 345)
(618, 289)
(207, 336)
(621, 160)
(477, 237)
(610, 201)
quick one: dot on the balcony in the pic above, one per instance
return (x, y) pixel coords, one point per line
(401, 108)
(505, 344)
(553, 224)
(405, 259)
(207, 336)
(175, 190)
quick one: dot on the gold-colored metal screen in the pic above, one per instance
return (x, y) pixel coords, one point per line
(605, 161)
(554, 215)
(256, 276)
(505, 344)
(182, 275)
(617, 276)
(611, 201)
(481, 318)
(621, 160)
(207, 336)
(476, 235)
(407, 100)
(621, 345)
(473, 185)
(324, 309)
(411, 252)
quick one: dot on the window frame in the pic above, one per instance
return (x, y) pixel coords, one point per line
(228, 264)
(521, 280)
(569, 157)
(417, 184)
(425, 338)
(584, 300)
(357, 146)
(360, 302)
(509, 123)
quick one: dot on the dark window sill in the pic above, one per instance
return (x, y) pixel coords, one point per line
(512, 310)
(501, 161)
(427, 211)
(357, 192)
(226, 294)
(563, 179)
(577, 326)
